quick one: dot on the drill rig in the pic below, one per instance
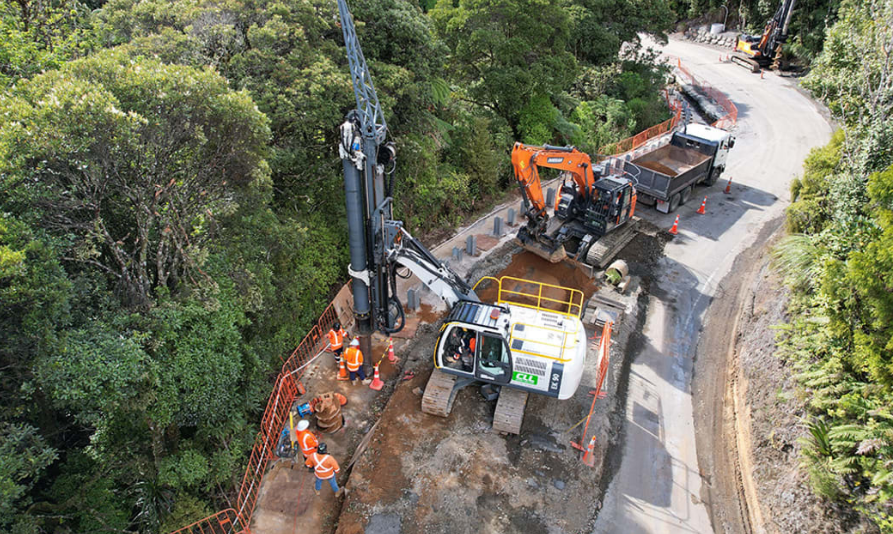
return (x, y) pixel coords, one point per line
(530, 340)
(760, 51)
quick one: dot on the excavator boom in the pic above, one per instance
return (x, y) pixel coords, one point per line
(526, 160)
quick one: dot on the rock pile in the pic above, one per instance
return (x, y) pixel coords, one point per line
(703, 35)
(712, 110)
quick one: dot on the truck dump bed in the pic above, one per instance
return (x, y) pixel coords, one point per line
(663, 172)
(671, 160)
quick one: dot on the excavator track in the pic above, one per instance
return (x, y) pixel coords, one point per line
(440, 394)
(746, 62)
(509, 412)
(603, 251)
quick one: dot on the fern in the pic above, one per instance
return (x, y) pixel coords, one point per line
(797, 257)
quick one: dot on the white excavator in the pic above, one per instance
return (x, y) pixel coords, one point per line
(530, 340)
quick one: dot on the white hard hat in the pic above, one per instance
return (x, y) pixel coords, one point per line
(303, 424)
(355, 343)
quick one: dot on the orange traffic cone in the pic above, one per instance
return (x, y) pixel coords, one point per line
(342, 372)
(703, 209)
(761, 74)
(675, 229)
(728, 186)
(376, 384)
(589, 457)
(391, 357)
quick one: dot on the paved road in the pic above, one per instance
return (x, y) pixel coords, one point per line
(658, 487)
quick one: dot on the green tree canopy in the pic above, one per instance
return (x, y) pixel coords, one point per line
(133, 161)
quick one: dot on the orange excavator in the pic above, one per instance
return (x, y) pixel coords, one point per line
(588, 206)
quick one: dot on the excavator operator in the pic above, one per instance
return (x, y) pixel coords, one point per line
(460, 349)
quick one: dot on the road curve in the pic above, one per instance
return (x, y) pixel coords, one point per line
(657, 487)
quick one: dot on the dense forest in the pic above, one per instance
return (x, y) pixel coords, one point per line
(171, 209)
(838, 262)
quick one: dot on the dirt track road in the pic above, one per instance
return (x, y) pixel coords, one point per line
(658, 485)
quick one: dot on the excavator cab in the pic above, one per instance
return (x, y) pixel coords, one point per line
(473, 352)
(472, 343)
(613, 203)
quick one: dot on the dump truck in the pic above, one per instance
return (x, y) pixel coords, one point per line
(666, 177)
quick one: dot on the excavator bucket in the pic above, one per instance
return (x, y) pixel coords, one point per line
(553, 255)
(541, 247)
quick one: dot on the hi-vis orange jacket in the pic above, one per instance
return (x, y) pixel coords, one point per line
(308, 442)
(323, 465)
(336, 338)
(354, 358)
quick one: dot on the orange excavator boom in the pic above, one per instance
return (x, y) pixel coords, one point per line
(527, 159)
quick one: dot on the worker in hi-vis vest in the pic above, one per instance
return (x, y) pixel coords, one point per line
(353, 357)
(336, 340)
(306, 439)
(324, 467)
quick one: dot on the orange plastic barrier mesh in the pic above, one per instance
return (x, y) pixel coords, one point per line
(634, 142)
(223, 522)
(285, 390)
(731, 116)
(604, 351)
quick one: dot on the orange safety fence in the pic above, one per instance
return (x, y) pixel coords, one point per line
(285, 390)
(604, 356)
(604, 353)
(731, 116)
(634, 142)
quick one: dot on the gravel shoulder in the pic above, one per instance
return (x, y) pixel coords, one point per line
(749, 412)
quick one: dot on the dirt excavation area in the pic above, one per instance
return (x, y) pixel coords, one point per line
(750, 414)
(426, 474)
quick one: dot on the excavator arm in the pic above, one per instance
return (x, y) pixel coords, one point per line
(527, 159)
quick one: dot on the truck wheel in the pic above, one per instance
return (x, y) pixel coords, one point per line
(674, 202)
(686, 194)
(713, 176)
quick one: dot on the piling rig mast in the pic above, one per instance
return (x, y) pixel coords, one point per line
(378, 244)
